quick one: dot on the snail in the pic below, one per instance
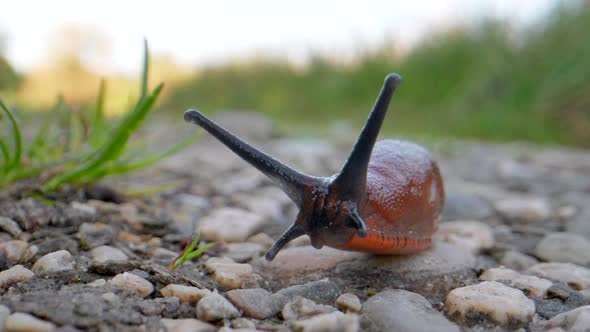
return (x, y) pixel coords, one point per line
(386, 199)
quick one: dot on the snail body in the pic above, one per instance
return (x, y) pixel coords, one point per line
(386, 199)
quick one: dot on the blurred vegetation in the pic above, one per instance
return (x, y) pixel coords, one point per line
(79, 146)
(487, 81)
(481, 82)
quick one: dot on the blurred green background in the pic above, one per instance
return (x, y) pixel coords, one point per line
(483, 81)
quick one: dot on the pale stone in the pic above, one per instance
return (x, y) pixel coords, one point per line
(133, 282)
(348, 302)
(331, 322)
(214, 307)
(571, 274)
(22, 322)
(187, 325)
(60, 260)
(13, 250)
(107, 253)
(564, 247)
(531, 285)
(15, 274)
(227, 273)
(230, 225)
(302, 308)
(97, 283)
(574, 320)
(491, 300)
(184, 293)
(524, 208)
(471, 234)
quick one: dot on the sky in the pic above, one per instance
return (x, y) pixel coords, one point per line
(202, 32)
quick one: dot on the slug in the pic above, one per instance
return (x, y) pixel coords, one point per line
(386, 199)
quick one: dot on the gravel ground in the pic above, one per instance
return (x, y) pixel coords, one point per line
(511, 253)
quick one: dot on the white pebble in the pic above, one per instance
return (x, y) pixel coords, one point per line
(134, 283)
(60, 260)
(533, 286)
(97, 283)
(574, 320)
(571, 274)
(502, 304)
(21, 322)
(227, 273)
(13, 250)
(524, 208)
(110, 297)
(230, 225)
(564, 247)
(107, 253)
(214, 307)
(187, 325)
(334, 321)
(348, 302)
(471, 234)
(15, 274)
(184, 293)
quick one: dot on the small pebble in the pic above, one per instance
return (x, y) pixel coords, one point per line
(227, 273)
(400, 310)
(230, 225)
(348, 302)
(302, 308)
(330, 322)
(564, 247)
(184, 293)
(60, 260)
(187, 325)
(574, 320)
(262, 239)
(243, 251)
(15, 274)
(243, 323)
(215, 307)
(107, 253)
(131, 281)
(568, 273)
(531, 285)
(256, 303)
(110, 297)
(517, 261)
(471, 234)
(10, 226)
(13, 250)
(22, 322)
(164, 253)
(489, 302)
(524, 208)
(97, 283)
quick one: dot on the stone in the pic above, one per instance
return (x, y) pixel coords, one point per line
(256, 303)
(517, 261)
(186, 325)
(94, 234)
(523, 208)
(107, 253)
(243, 323)
(267, 207)
(227, 273)
(348, 302)
(13, 250)
(10, 226)
(23, 322)
(262, 239)
(530, 285)
(568, 273)
(322, 291)
(331, 322)
(466, 206)
(184, 293)
(97, 283)
(489, 303)
(574, 320)
(60, 260)
(215, 307)
(301, 308)
(400, 310)
(4, 313)
(471, 234)
(230, 225)
(132, 282)
(15, 274)
(243, 251)
(243, 180)
(564, 247)
(432, 272)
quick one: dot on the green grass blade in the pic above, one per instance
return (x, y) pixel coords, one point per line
(97, 132)
(37, 150)
(5, 154)
(114, 147)
(75, 132)
(18, 144)
(197, 253)
(145, 71)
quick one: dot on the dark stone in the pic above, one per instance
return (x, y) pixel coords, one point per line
(104, 193)
(59, 242)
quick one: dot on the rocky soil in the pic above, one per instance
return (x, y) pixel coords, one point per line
(512, 252)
